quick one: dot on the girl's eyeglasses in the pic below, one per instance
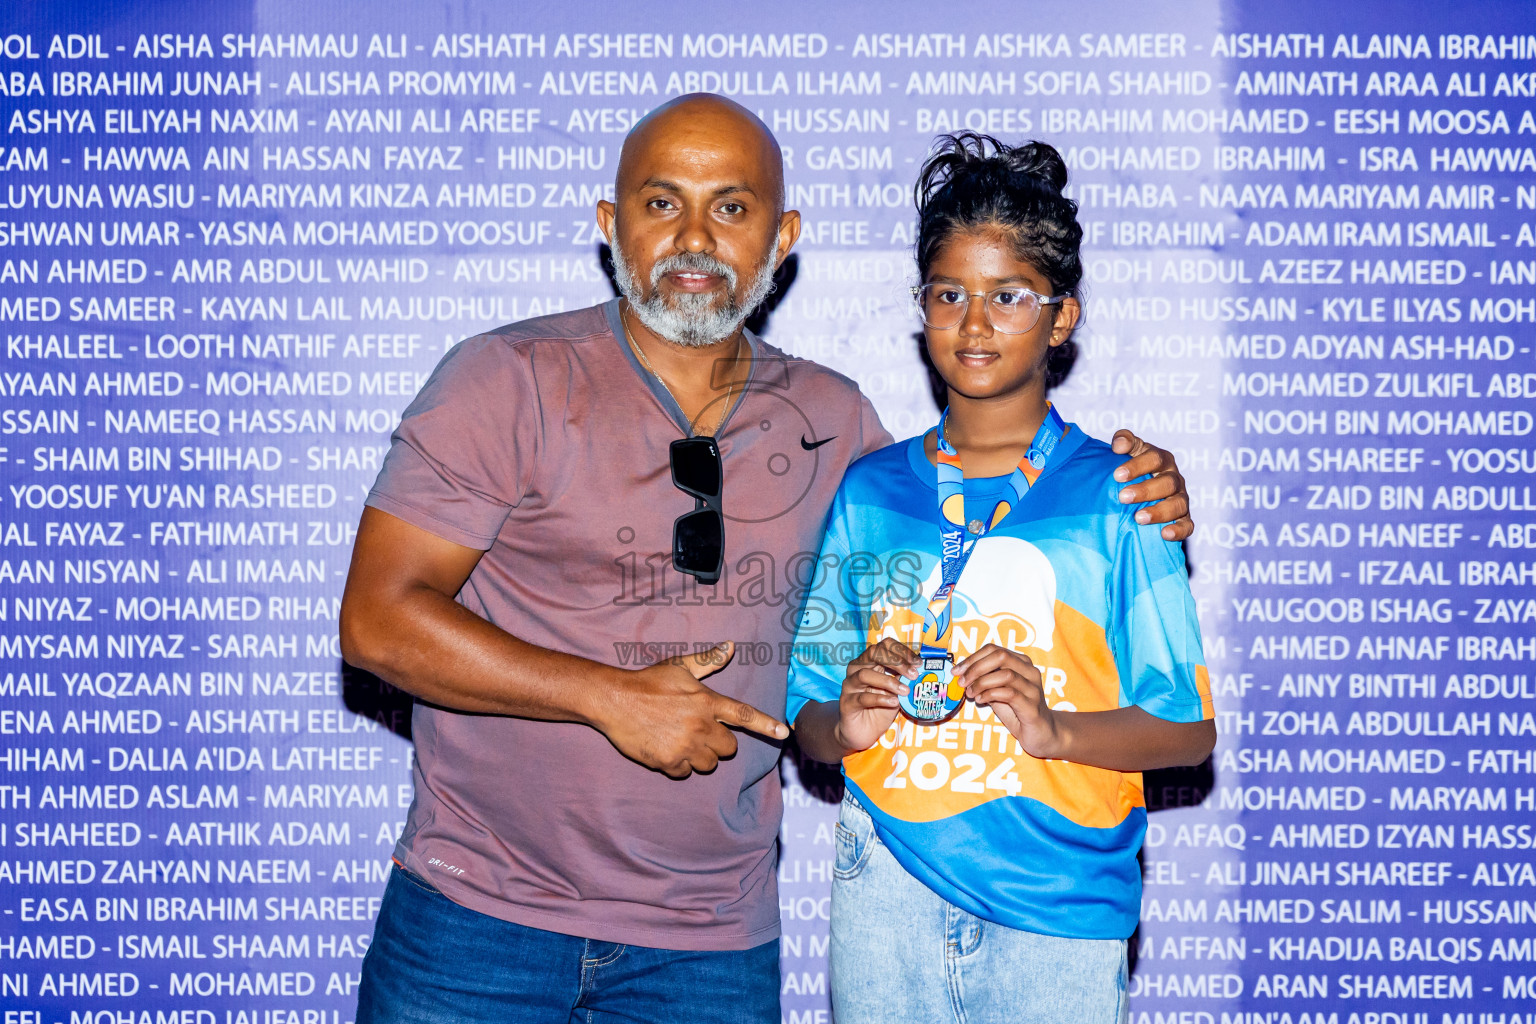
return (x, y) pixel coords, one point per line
(1011, 310)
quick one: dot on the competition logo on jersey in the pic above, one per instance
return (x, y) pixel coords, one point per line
(928, 772)
(1006, 597)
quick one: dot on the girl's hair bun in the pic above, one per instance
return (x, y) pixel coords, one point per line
(972, 181)
(1038, 160)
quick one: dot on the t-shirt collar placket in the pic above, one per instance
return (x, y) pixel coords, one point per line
(659, 391)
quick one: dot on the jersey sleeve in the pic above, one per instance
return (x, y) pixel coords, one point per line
(830, 632)
(1153, 627)
(464, 452)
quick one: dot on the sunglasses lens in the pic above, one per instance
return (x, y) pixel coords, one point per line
(696, 466)
(698, 542)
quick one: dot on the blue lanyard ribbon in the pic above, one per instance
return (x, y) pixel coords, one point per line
(957, 538)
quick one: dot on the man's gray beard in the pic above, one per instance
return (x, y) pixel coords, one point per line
(692, 319)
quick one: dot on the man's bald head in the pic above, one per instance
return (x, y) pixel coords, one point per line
(695, 124)
(697, 222)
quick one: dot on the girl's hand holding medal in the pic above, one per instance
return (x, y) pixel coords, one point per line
(1011, 686)
(875, 682)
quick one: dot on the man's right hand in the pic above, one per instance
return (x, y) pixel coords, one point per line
(664, 718)
(399, 620)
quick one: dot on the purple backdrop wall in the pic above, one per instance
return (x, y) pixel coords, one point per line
(234, 239)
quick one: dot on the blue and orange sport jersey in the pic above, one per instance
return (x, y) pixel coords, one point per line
(1100, 604)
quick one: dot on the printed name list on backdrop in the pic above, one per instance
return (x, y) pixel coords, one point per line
(236, 240)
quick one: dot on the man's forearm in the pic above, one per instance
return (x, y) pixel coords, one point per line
(1130, 740)
(434, 648)
(816, 732)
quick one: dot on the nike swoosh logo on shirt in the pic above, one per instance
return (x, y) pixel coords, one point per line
(811, 446)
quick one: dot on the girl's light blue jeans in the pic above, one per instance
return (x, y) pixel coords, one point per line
(900, 952)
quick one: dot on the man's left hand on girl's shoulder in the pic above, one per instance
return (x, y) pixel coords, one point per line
(1165, 485)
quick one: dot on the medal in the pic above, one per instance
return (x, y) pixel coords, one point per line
(929, 699)
(934, 695)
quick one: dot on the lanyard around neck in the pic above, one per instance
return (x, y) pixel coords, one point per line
(957, 537)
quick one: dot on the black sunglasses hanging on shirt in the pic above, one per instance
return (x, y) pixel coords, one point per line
(698, 537)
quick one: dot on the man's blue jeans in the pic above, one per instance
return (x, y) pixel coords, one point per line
(433, 961)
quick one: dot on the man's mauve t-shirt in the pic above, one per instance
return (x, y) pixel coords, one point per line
(546, 445)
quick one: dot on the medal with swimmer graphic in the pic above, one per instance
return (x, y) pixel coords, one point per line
(934, 695)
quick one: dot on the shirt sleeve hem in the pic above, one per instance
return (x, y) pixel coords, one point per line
(793, 707)
(426, 521)
(1194, 709)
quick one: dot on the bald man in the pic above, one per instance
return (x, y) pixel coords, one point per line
(585, 555)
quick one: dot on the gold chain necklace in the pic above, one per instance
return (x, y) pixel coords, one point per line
(730, 388)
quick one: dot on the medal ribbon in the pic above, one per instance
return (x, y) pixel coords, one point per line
(955, 548)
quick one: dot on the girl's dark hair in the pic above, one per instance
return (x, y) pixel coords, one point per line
(973, 181)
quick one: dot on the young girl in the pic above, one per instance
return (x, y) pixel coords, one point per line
(1028, 649)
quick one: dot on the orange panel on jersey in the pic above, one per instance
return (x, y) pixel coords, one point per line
(928, 773)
